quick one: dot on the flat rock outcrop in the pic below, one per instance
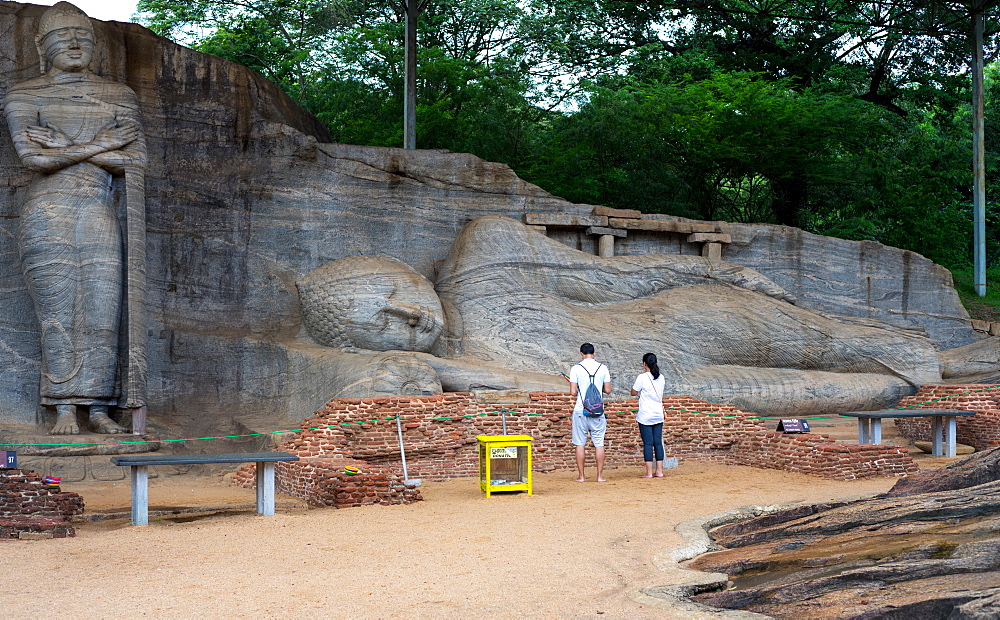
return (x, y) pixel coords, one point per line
(929, 548)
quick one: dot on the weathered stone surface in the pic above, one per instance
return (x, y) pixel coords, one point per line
(244, 198)
(76, 132)
(980, 468)
(929, 553)
(722, 333)
(710, 238)
(859, 278)
(978, 362)
(564, 219)
(604, 230)
(661, 225)
(610, 212)
(712, 251)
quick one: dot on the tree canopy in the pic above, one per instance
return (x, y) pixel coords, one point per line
(843, 118)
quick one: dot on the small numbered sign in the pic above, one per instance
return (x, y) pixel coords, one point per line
(9, 460)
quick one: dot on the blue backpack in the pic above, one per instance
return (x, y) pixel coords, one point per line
(593, 400)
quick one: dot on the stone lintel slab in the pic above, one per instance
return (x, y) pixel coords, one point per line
(623, 213)
(564, 219)
(540, 229)
(710, 238)
(661, 225)
(602, 230)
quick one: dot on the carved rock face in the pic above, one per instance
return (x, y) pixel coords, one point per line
(69, 49)
(371, 302)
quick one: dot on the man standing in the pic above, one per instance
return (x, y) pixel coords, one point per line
(581, 376)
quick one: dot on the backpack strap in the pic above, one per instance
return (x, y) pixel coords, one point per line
(591, 375)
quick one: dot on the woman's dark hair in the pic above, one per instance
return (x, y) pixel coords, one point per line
(649, 360)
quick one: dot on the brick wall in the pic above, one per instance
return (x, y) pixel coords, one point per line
(439, 434)
(27, 506)
(980, 431)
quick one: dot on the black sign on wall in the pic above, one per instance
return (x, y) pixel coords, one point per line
(793, 426)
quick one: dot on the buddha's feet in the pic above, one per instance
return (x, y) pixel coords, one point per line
(66, 421)
(100, 422)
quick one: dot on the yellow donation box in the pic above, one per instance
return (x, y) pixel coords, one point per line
(504, 463)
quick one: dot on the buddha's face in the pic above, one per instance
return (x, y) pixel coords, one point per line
(69, 48)
(397, 310)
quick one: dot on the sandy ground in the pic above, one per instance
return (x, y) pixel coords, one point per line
(571, 550)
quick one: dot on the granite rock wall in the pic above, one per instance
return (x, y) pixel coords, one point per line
(244, 195)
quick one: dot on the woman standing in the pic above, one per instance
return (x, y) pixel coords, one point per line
(649, 388)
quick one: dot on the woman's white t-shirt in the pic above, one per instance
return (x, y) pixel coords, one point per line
(650, 398)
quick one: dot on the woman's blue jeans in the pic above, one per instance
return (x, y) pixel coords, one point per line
(652, 439)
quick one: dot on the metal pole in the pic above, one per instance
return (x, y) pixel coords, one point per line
(978, 152)
(410, 76)
(402, 451)
(503, 418)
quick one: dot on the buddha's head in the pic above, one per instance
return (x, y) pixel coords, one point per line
(371, 302)
(65, 39)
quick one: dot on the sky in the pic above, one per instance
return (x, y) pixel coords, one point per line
(106, 10)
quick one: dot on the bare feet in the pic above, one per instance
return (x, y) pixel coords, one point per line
(647, 476)
(66, 421)
(601, 480)
(581, 479)
(658, 474)
(100, 422)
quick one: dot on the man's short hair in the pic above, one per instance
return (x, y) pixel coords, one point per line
(587, 348)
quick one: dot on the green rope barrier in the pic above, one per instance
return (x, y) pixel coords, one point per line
(461, 417)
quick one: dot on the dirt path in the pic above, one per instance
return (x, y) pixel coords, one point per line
(571, 550)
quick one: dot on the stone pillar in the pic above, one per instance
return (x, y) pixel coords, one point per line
(712, 251)
(606, 246)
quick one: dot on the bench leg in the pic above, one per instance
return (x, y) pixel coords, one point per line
(140, 495)
(876, 431)
(950, 436)
(862, 430)
(265, 489)
(936, 436)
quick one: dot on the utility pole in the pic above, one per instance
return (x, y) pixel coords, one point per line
(978, 151)
(412, 10)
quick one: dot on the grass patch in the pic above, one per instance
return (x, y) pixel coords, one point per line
(981, 308)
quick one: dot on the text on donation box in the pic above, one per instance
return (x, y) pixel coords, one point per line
(509, 452)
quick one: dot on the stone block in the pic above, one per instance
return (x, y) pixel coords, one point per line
(564, 219)
(540, 229)
(625, 213)
(981, 326)
(606, 246)
(661, 225)
(709, 238)
(603, 230)
(712, 251)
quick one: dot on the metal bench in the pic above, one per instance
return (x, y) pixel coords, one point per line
(140, 475)
(870, 425)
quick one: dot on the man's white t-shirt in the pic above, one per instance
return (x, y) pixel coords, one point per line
(581, 378)
(650, 398)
